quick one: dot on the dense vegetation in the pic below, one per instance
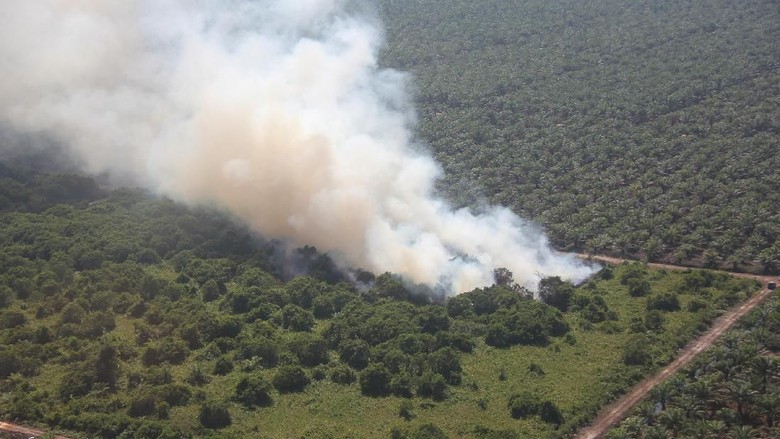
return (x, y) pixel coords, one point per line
(732, 391)
(645, 129)
(649, 129)
(124, 315)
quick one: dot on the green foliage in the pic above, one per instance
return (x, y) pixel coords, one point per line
(664, 302)
(638, 287)
(729, 391)
(266, 352)
(107, 366)
(107, 350)
(635, 353)
(342, 375)
(253, 390)
(355, 353)
(555, 292)
(531, 323)
(309, 349)
(432, 385)
(427, 431)
(524, 405)
(405, 410)
(555, 110)
(9, 363)
(295, 318)
(211, 290)
(143, 405)
(289, 379)
(173, 394)
(375, 380)
(77, 382)
(214, 415)
(11, 319)
(654, 320)
(223, 366)
(402, 385)
(6, 295)
(197, 376)
(550, 413)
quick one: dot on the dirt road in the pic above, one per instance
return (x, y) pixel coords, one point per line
(17, 431)
(618, 410)
(617, 261)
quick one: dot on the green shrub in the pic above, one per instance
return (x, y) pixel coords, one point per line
(550, 413)
(524, 405)
(197, 377)
(432, 385)
(290, 379)
(254, 390)
(405, 410)
(638, 287)
(428, 431)
(664, 302)
(223, 366)
(11, 319)
(401, 385)
(342, 375)
(6, 296)
(143, 405)
(77, 382)
(654, 320)
(295, 318)
(375, 380)
(173, 394)
(556, 292)
(355, 353)
(9, 363)
(214, 415)
(635, 353)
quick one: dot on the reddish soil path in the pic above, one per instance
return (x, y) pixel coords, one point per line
(17, 431)
(618, 410)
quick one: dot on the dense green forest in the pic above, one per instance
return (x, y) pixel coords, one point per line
(126, 315)
(648, 129)
(732, 391)
(644, 129)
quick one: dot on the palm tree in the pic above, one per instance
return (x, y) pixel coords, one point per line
(764, 368)
(715, 428)
(741, 393)
(656, 432)
(768, 405)
(728, 416)
(673, 419)
(692, 406)
(726, 366)
(632, 427)
(697, 429)
(662, 393)
(743, 432)
(702, 388)
(648, 411)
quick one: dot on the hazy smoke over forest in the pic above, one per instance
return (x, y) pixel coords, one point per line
(273, 110)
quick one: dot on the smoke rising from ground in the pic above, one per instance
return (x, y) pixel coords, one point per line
(274, 110)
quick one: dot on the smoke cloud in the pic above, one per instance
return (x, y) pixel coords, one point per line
(274, 110)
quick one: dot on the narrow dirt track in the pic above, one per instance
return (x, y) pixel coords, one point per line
(14, 431)
(615, 412)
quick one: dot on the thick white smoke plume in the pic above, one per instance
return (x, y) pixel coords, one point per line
(275, 110)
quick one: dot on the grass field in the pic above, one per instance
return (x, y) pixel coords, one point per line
(578, 373)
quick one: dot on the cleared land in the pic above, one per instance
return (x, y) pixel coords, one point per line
(615, 412)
